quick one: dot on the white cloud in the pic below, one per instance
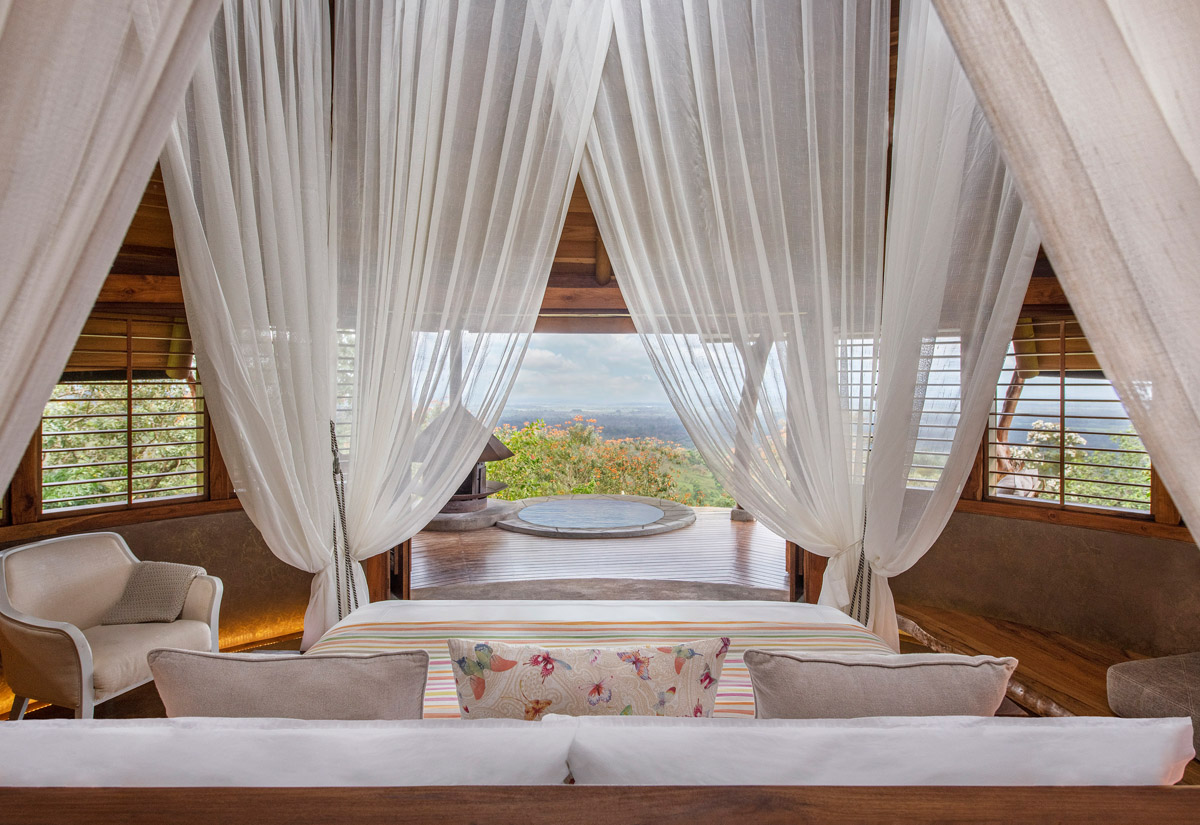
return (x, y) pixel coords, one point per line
(586, 369)
(544, 360)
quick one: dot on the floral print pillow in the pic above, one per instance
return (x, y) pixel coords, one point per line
(501, 681)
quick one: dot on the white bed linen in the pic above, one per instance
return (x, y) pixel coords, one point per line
(934, 750)
(194, 752)
(597, 750)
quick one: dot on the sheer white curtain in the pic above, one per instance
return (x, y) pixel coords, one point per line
(736, 166)
(458, 133)
(960, 250)
(89, 89)
(1097, 106)
(383, 272)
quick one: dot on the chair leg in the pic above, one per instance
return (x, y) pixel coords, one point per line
(86, 710)
(19, 706)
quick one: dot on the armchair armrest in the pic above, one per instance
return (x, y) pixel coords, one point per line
(203, 604)
(46, 660)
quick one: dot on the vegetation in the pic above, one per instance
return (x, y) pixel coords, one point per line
(628, 421)
(1117, 476)
(86, 442)
(577, 458)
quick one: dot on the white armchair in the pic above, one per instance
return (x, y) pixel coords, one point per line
(52, 645)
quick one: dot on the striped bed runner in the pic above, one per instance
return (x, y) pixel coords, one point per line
(734, 694)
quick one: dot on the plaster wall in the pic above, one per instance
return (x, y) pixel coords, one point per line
(1140, 593)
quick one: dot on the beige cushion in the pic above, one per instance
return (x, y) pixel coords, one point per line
(119, 650)
(155, 592)
(499, 681)
(292, 686)
(827, 686)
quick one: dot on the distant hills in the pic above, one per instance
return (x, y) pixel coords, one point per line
(633, 421)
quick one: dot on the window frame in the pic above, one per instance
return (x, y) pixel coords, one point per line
(23, 518)
(1061, 417)
(204, 442)
(1163, 520)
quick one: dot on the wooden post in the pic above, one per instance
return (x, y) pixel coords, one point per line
(814, 574)
(401, 578)
(1161, 504)
(795, 569)
(220, 485)
(976, 484)
(378, 578)
(26, 488)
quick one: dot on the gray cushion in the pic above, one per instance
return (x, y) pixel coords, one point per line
(848, 686)
(155, 592)
(294, 686)
(1152, 688)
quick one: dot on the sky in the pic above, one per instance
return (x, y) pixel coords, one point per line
(586, 370)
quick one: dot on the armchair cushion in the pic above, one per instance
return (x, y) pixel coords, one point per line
(119, 650)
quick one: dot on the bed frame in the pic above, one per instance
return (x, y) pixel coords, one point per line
(556, 804)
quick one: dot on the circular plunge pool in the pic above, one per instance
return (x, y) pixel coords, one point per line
(597, 516)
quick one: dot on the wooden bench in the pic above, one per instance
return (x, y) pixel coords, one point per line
(1057, 675)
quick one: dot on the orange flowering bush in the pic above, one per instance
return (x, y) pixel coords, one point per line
(575, 457)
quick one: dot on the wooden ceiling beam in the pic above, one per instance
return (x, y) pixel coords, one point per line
(140, 289)
(585, 324)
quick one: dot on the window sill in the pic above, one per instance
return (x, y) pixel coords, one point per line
(1134, 525)
(62, 525)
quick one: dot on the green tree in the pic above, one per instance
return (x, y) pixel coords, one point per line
(1116, 477)
(91, 431)
(577, 458)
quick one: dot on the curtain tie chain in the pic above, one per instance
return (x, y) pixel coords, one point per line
(342, 560)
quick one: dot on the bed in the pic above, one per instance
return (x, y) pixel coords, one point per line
(426, 625)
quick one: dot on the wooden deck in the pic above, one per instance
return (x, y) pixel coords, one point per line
(714, 550)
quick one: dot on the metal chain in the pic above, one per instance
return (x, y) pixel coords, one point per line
(858, 580)
(337, 575)
(346, 561)
(861, 610)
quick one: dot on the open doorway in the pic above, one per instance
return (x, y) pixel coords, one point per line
(588, 416)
